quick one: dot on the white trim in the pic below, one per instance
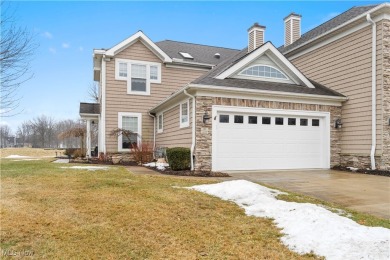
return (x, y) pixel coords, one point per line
(148, 43)
(89, 116)
(193, 130)
(130, 63)
(102, 148)
(185, 124)
(342, 25)
(158, 122)
(212, 89)
(373, 90)
(325, 115)
(139, 131)
(257, 53)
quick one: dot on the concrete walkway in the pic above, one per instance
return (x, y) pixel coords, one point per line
(360, 192)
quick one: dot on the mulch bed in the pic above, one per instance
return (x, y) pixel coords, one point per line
(365, 171)
(168, 171)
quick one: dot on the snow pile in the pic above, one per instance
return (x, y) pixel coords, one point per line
(15, 156)
(89, 168)
(61, 161)
(159, 165)
(307, 227)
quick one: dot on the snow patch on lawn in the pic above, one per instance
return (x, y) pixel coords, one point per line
(61, 161)
(160, 166)
(307, 227)
(15, 156)
(27, 159)
(89, 168)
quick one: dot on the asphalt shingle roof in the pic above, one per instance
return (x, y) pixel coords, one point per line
(201, 53)
(327, 26)
(89, 108)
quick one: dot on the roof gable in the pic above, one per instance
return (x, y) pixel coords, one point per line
(269, 50)
(264, 68)
(139, 36)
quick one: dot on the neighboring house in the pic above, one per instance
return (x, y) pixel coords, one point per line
(237, 110)
(345, 55)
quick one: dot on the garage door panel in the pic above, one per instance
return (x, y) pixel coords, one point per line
(261, 146)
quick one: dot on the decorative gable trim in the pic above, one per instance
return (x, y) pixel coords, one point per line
(257, 53)
(139, 36)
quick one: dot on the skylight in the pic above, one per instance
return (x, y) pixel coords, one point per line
(186, 55)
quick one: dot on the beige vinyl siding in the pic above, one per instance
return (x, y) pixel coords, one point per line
(287, 32)
(251, 41)
(345, 66)
(259, 38)
(117, 99)
(173, 135)
(296, 30)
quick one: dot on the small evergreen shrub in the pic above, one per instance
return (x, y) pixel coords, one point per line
(179, 158)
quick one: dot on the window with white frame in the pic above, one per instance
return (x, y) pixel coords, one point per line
(263, 71)
(132, 123)
(138, 74)
(184, 114)
(160, 123)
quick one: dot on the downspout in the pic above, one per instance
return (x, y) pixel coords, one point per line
(193, 128)
(154, 133)
(373, 89)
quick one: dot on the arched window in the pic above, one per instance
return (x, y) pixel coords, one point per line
(263, 71)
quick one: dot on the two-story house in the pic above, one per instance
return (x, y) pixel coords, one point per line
(255, 108)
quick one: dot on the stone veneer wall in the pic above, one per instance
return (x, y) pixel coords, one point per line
(204, 132)
(385, 160)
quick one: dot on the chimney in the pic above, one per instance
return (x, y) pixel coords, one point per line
(255, 36)
(292, 28)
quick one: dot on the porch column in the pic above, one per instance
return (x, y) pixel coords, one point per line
(88, 141)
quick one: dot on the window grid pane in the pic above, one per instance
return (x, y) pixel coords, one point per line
(238, 119)
(123, 69)
(138, 71)
(130, 123)
(154, 72)
(264, 71)
(184, 112)
(160, 122)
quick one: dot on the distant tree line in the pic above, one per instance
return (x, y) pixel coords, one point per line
(45, 132)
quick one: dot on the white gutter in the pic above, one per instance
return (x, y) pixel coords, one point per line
(193, 128)
(154, 132)
(373, 89)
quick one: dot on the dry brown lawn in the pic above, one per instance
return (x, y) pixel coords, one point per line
(32, 152)
(78, 214)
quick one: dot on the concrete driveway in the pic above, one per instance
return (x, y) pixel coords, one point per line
(360, 192)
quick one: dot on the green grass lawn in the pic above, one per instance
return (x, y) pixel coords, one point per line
(114, 214)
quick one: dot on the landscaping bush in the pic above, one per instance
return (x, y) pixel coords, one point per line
(70, 151)
(179, 158)
(75, 152)
(143, 153)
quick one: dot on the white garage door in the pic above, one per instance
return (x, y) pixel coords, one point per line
(269, 140)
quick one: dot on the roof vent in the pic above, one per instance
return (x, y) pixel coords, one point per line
(186, 55)
(217, 55)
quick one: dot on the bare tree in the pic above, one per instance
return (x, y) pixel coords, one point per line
(24, 132)
(42, 128)
(5, 133)
(93, 92)
(16, 49)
